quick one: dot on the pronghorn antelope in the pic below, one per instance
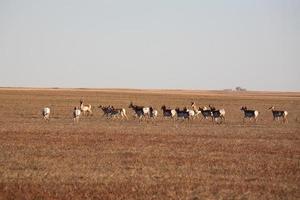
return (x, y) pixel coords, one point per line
(185, 114)
(76, 114)
(191, 113)
(112, 112)
(197, 111)
(106, 110)
(279, 114)
(118, 112)
(251, 114)
(85, 108)
(168, 112)
(153, 112)
(206, 113)
(46, 113)
(140, 111)
(215, 114)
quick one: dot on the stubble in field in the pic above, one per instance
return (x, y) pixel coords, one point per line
(150, 159)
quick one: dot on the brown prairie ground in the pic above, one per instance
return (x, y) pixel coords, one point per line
(162, 159)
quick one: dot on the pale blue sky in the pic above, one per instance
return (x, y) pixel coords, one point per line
(151, 44)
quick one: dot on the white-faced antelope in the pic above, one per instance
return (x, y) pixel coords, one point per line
(168, 112)
(140, 111)
(76, 114)
(250, 114)
(85, 109)
(277, 114)
(46, 113)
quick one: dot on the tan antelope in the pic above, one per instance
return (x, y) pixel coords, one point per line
(197, 111)
(85, 109)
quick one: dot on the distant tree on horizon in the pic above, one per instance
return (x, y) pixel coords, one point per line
(240, 89)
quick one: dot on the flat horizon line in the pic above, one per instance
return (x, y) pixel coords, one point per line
(144, 89)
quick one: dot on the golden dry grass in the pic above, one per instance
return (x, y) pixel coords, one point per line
(161, 159)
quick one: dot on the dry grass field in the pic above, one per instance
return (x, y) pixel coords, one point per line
(151, 159)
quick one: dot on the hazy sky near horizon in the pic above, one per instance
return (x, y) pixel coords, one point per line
(193, 44)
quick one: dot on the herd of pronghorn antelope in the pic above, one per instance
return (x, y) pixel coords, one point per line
(143, 112)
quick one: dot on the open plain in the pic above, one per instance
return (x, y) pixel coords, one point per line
(100, 158)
